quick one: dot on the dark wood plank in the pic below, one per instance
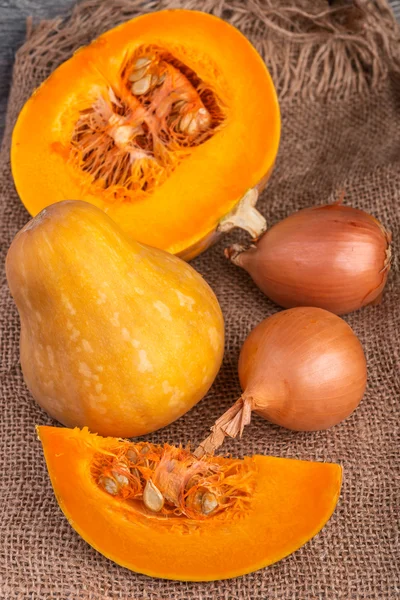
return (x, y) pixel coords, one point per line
(13, 15)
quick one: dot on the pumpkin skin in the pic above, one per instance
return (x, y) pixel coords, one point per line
(181, 212)
(291, 502)
(115, 335)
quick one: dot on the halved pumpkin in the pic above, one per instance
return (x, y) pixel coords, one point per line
(160, 511)
(165, 122)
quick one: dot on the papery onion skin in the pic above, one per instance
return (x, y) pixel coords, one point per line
(333, 256)
(303, 368)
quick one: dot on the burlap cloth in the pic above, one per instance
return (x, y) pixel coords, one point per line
(338, 76)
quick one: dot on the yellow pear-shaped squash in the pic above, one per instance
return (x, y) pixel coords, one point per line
(115, 335)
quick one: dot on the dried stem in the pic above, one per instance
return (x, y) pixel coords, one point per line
(245, 216)
(233, 252)
(231, 424)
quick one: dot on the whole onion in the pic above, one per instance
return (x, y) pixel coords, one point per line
(334, 257)
(302, 368)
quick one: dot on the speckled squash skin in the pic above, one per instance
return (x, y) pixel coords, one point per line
(115, 335)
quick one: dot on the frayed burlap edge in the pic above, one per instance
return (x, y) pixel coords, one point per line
(312, 50)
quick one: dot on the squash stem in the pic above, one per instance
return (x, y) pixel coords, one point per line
(245, 216)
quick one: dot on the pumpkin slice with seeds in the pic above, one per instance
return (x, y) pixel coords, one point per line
(169, 122)
(161, 511)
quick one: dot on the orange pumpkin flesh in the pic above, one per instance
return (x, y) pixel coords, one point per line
(165, 177)
(285, 503)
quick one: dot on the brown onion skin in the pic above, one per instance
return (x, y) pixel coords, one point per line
(334, 257)
(303, 369)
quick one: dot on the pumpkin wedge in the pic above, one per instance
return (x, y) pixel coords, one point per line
(166, 122)
(160, 511)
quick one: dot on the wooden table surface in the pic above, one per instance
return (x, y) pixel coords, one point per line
(13, 14)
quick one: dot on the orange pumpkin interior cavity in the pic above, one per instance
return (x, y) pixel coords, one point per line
(164, 122)
(160, 511)
(163, 109)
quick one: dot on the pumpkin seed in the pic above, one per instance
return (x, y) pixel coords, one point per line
(132, 455)
(203, 118)
(142, 86)
(143, 61)
(208, 503)
(185, 122)
(121, 479)
(191, 123)
(178, 105)
(194, 501)
(109, 485)
(152, 497)
(193, 127)
(144, 451)
(136, 75)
